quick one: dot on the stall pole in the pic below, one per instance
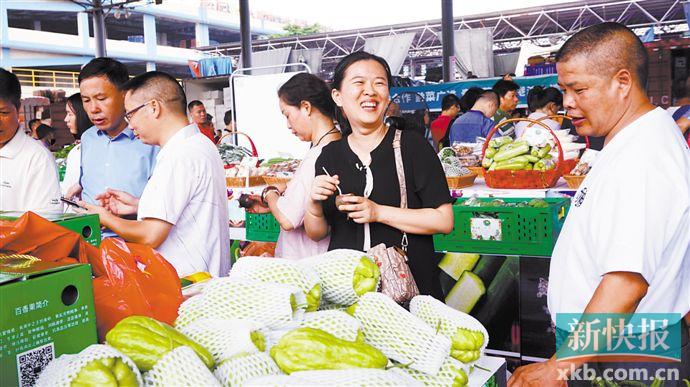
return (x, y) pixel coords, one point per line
(99, 28)
(447, 39)
(245, 34)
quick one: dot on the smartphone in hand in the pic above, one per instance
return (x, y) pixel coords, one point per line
(72, 203)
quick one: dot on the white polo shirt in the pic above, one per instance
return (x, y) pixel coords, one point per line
(187, 189)
(28, 176)
(631, 213)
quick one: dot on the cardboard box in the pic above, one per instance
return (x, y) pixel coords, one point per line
(47, 310)
(88, 226)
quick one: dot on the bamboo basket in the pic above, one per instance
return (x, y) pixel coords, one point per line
(272, 180)
(574, 181)
(464, 181)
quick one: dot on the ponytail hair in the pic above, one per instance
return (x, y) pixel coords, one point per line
(309, 88)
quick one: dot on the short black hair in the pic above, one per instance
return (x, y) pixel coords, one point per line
(115, 71)
(310, 88)
(196, 102)
(33, 121)
(449, 100)
(160, 86)
(469, 98)
(609, 47)
(540, 96)
(227, 118)
(43, 130)
(10, 89)
(502, 87)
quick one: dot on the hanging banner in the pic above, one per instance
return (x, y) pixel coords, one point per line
(433, 94)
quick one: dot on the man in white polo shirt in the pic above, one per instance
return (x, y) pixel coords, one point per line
(182, 212)
(625, 245)
(28, 175)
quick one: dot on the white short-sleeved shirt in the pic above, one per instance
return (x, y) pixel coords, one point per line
(187, 189)
(28, 176)
(72, 169)
(296, 244)
(632, 214)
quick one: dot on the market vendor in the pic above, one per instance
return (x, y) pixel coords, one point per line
(625, 245)
(363, 164)
(29, 179)
(305, 101)
(182, 212)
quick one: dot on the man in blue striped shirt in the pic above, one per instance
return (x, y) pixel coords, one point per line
(111, 155)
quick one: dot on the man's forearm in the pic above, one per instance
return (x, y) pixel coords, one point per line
(136, 231)
(618, 292)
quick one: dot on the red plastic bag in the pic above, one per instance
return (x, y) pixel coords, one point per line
(129, 278)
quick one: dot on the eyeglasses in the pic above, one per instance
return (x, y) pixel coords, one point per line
(130, 114)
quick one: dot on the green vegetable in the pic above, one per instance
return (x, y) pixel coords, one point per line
(454, 264)
(490, 152)
(500, 141)
(486, 163)
(466, 345)
(366, 277)
(511, 167)
(544, 151)
(510, 153)
(538, 203)
(314, 298)
(466, 292)
(446, 152)
(306, 349)
(258, 339)
(532, 159)
(516, 159)
(461, 379)
(106, 372)
(529, 167)
(146, 341)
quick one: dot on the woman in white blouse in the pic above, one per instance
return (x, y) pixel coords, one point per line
(77, 122)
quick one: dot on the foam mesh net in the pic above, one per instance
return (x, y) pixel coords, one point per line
(266, 304)
(61, 371)
(356, 377)
(223, 338)
(277, 270)
(336, 269)
(337, 323)
(180, 367)
(237, 370)
(444, 377)
(400, 335)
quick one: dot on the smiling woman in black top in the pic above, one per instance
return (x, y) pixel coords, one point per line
(363, 164)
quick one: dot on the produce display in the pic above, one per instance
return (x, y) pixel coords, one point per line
(233, 154)
(585, 163)
(281, 167)
(245, 330)
(456, 160)
(503, 153)
(281, 271)
(96, 365)
(146, 340)
(306, 349)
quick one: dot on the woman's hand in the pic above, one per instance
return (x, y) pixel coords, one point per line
(323, 187)
(257, 207)
(87, 208)
(360, 209)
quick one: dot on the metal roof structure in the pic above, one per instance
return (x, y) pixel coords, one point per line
(543, 26)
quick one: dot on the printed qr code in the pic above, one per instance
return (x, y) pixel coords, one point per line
(31, 363)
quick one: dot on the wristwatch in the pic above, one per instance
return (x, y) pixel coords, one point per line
(267, 190)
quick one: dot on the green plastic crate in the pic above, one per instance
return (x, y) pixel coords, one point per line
(262, 227)
(524, 230)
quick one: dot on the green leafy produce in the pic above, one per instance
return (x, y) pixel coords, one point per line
(366, 277)
(446, 153)
(146, 340)
(466, 345)
(106, 372)
(306, 349)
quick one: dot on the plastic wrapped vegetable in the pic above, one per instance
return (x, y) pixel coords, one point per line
(242, 367)
(96, 365)
(335, 322)
(314, 349)
(468, 336)
(226, 338)
(498, 142)
(146, 340)
(282, 271)
(452, 373)
(180, 367)
(400, 335)
(267, 304)
(511, 152)
(345, 275)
